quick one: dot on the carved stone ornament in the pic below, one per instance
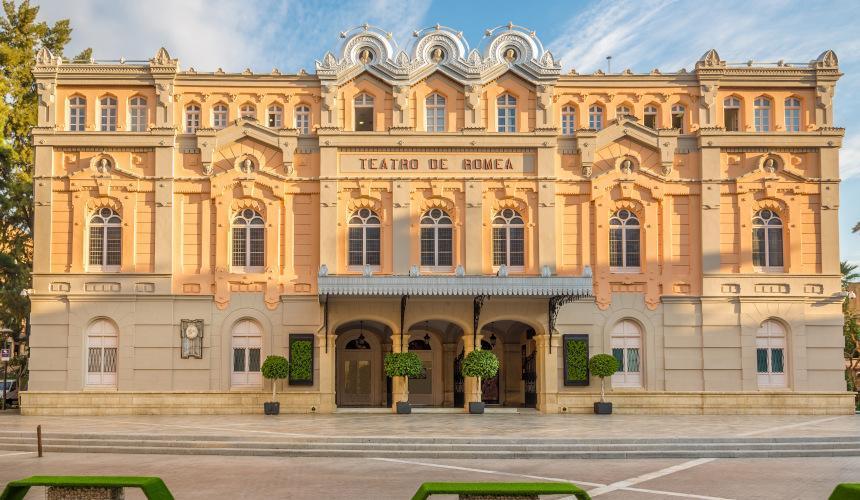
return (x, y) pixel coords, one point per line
(510, 54)
(666, 169)
(769, 165)
(207, 169)
(191, 335)
(247, 166)
(626, 166)
(586, 171)
(365, 56)
(437, 55)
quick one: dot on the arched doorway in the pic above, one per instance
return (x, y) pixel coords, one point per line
(247, 343)
(427, 339)
(359, 363)
(516, 382)
(490, 387)
(102, 342)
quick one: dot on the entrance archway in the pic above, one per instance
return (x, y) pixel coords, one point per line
(516, 383)
(359, 363)
(434, 340)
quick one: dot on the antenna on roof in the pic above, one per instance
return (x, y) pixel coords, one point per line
(608, 64)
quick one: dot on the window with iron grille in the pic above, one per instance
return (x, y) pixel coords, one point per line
(624, 242)
(508, 239)
(248, 240)
(436, 239)
(364, 233)
(770, 355)
(105, 241)
(767, 241)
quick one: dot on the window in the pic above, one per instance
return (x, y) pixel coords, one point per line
(192, 118)
(363, 105)
(276, 116)
(732, 113)
(623, 111)
(364, 238)
(508, 239)
(436, 239)
(762, 114)
(624, 242)
(107, 107)
(507, 113)
(626, 343)
(770, 355)
(105, 240)
(247, 344)
(767, 241)
(77, 114)
(219, 116)
(248, 240)
(651, 117)
(678, 117)
(435, 105)
(595, 117)
(248, 111)
(568, 120)
(303, 119)
(792, 114)
(101, 354)
(139, 121)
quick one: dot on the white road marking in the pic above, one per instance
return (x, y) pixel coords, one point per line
(789, 426)
(675, 494)
(17, 453)
(620, 485)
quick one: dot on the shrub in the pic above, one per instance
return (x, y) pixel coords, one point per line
(274, 368)
(603, 365)
(403, 364)
(301, 360)
(576, 359)
(481, 364)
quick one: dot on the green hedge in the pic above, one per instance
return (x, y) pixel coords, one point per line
(153, 487)
(301, 359)
(499, 489)
(576, 360)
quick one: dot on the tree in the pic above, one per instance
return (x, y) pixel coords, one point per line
(21, 37)
(856, 228)
(850, 273)
(603, 365)
(850, 327)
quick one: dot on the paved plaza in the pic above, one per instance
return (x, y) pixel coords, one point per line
(213, 477)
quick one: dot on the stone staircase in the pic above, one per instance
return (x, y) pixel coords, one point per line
(261, 443)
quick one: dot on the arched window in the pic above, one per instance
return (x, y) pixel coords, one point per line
(624, 242)
(220, 115)
(138, 115)
(767, 241)
(105, 240)
(792, 114)
(303, 119)
(363, 107)
(507, 113)
(435, 105)
(678, 111)
(626, 344)
(436, 239)
(568, 120)
(192, 118)
(102, 342)
(770, 355)
(651, 117)
(77, 114)
(762, 114)
(623, 111)
(248, 240)
(732, 113)
(276, 116)
(107, 106)
(508, 239)
(364, 230)
(247, 342)
(595, 117)
(248, 111)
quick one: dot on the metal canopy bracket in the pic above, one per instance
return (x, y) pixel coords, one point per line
(325, 321)
(403, 300)
(477, 304)
(555, 303)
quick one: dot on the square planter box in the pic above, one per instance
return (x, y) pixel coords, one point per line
(403, 408)
(603, 408)
(272, 408)
(476, 407)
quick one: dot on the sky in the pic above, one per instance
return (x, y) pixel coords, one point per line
(638, 34)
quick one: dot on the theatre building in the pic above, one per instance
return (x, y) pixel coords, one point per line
(436, 197)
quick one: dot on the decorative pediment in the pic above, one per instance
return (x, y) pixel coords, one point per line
(710, 59)
(210, 140)
(438, 48)
(664, 141)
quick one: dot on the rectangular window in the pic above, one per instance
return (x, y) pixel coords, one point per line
(632, 359)
(94, 364)
(76, 119)
(275, 119)
(774, 240)
(500, 243)
(254, 359)
(792, 120)
(730, 117)
(616, 249)
(678, 121)
(96, 246)
(517, 249)
(114, 246)
(109, 118)
(238, 359)
(445, 250)
(356, 246)
(364, 119)
(762, 119)
(239, 245)
(138, 119)
(257, 247)
(758, 253)
(372, 246)
(632, 244)
(428, 254)
(618, 354)
(761, 360)
(776, 360)
(651, 120)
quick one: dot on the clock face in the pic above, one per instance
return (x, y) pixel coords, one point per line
(191, 332)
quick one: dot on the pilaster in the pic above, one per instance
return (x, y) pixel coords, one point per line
(400, 227)
(547, 372)
(163, 231)
(710, 211)
(474, 230)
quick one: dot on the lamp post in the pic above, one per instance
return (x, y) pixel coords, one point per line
(4, 355)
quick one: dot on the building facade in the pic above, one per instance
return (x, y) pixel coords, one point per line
(436, 198)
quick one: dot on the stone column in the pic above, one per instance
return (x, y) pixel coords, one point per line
(399, 385)
(547, 372)
(471, 386)
(327, 372)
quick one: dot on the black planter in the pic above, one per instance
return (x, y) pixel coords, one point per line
(476, 407)
(403, 408)
(603, 408)
(272, 408)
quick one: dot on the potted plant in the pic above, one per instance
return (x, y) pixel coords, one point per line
(483, 365)
(274, 368)
(407, 365)
(603, 365)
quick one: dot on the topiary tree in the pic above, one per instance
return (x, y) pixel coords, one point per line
(481, 364)
(403, 364)
(275, 368)
(603, 365)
